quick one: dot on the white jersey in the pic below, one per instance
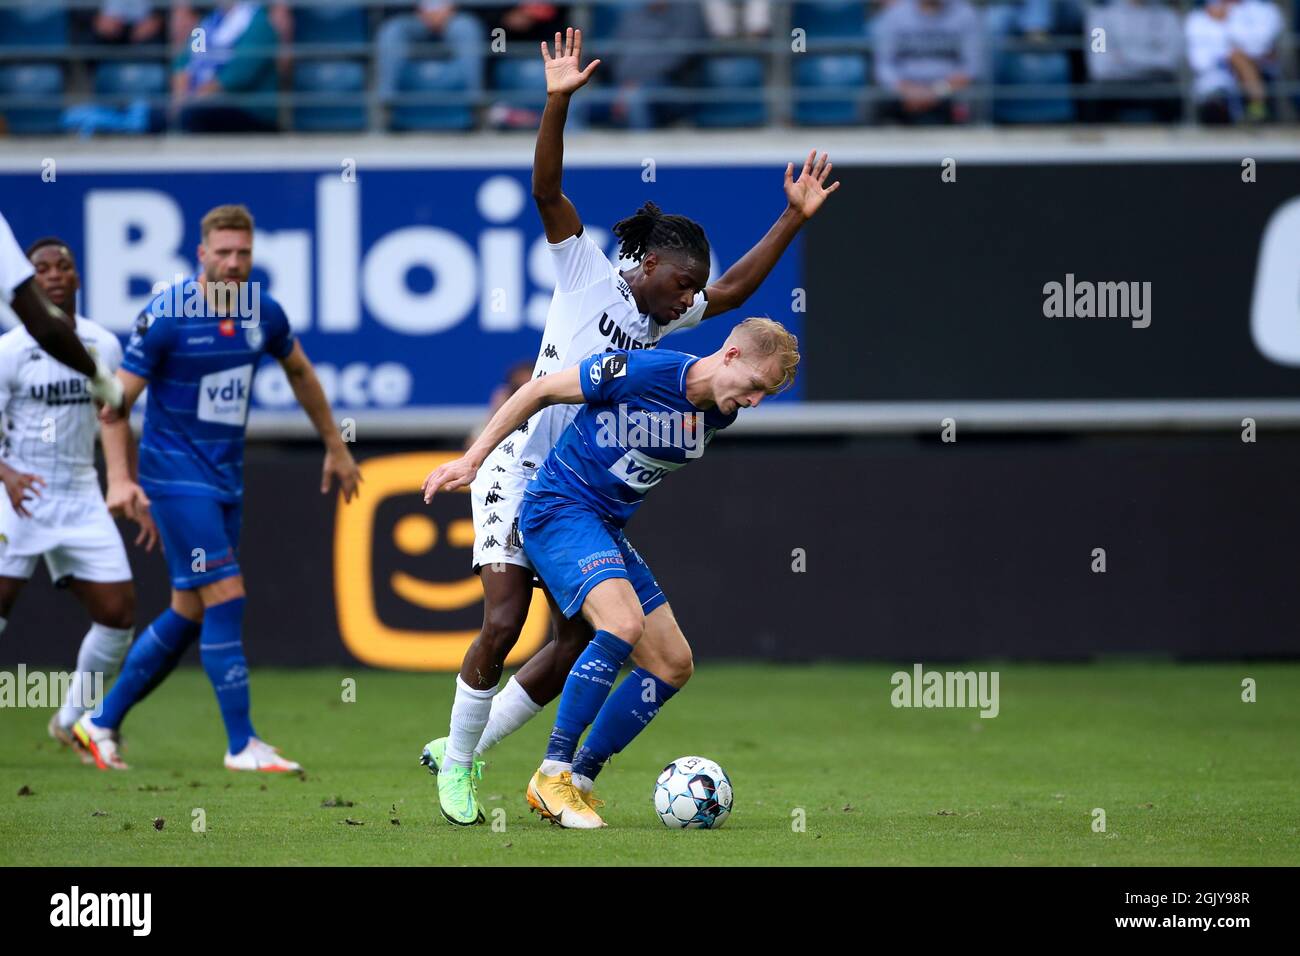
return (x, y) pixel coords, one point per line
(14, 267)
(592, 310)
(50, 421)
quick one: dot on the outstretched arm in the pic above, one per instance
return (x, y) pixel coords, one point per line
(804, 197)
(306, 388)
(560, 388)
(50, 328)
(563, 78)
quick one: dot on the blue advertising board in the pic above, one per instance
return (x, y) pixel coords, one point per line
(410, 288)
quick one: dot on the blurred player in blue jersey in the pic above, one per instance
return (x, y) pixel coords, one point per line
(645, 414)
(197, 346)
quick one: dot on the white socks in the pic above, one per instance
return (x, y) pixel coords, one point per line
(469, 715)
(511, 709)
(102, 650)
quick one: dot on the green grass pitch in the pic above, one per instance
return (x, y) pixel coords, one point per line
(1186, 772)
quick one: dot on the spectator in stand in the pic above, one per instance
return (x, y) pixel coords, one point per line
(127, 21)
(433, 21)
(525, 26)
(1231, 48)
(237, 57)
(532, 22)
(927, 51)
(1144, 44)
(658, 28)
(730, 19)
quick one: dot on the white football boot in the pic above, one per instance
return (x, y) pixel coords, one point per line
(261, 756)
(101, 742)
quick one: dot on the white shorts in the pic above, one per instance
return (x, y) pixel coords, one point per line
(496, 495)
(74, 534)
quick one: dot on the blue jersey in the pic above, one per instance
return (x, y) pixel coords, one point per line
(636, 427)
(200, 370)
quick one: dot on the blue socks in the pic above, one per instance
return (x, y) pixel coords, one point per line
(151, 658)
(222, 651)
(586, 689)
(626, 713)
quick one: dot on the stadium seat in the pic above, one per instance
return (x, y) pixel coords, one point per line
(334, 96)
(520, 80)
(431, 76)
(1045, 68)
(38, 84)
(33, 24)
(122, 79)
(736, 73)
(844, 71)
(604, 18)
(830, 19)
(330, 24)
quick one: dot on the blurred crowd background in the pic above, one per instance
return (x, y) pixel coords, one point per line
(145, 66)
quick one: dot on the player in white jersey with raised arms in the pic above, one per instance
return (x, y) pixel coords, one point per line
(53, 509)
(596, 307)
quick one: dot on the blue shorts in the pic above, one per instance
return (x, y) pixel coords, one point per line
(200, 539)
(573, 549)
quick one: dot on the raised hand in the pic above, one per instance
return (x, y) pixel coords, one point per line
(809, 191)
(563, 74)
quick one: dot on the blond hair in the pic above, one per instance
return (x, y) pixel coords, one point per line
(767, 337)
(227, 217)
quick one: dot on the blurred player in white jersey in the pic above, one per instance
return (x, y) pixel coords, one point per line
(52, 508)
(20, 293)
(596, 307)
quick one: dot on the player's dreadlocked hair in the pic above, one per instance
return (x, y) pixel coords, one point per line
(650, 229)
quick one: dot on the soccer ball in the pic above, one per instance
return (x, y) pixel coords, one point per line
(693, 793)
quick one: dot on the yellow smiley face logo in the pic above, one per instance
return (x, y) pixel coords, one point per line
(404, 599)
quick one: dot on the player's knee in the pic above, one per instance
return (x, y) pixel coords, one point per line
(502, 623)
(188, 605)
(627, 625)
(116, 611)
(679, 665)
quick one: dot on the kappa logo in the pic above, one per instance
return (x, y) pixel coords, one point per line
(523, 428)
(491, 542)
(236, 673)
(493, 518)
(550, 352)
(509, 448)
(499, 468)
(493, 498)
